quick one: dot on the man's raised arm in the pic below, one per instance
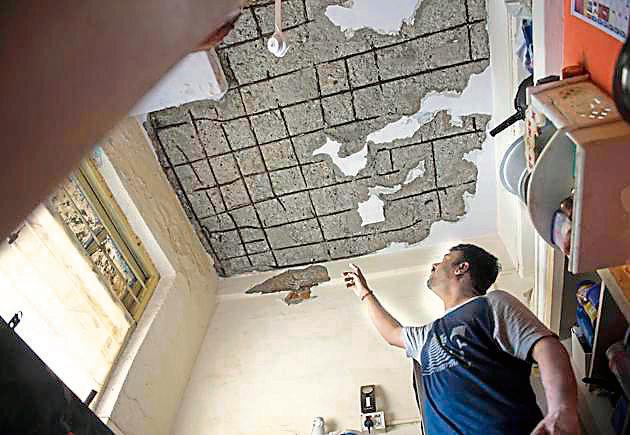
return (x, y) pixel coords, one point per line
(387, 326)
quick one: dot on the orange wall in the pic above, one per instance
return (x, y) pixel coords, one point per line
(591, 47)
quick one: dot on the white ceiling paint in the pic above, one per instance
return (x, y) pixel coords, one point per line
(371, 211)
(476, 98)
(198, 76)
(481, 207)
(350, 165)
(416, 172)
(385, 18)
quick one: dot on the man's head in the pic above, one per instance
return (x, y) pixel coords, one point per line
(465, 267)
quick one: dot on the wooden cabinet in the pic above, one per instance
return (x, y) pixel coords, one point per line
(589, 153)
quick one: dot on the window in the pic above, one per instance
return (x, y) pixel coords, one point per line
(86, 207)
(82, 279)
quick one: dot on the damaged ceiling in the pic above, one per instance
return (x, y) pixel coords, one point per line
(311, 157)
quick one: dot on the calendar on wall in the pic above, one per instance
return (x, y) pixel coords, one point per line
(611, 16)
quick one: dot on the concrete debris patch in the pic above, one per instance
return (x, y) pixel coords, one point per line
(297, 282)
(297, 297)
(344, 146)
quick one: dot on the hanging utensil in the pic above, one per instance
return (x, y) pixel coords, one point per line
(621, 82)
(520, 104)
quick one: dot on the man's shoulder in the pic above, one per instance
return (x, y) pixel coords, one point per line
(502, 297)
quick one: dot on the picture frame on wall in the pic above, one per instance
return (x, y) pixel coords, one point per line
(610, 16)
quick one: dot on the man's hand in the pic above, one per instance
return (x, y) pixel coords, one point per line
(356, 281)
(561, 422)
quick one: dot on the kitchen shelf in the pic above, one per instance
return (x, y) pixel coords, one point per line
(602, 197)
(612, 322)
(613, 318)
(618, 288)
(610, 328)
(589, 153)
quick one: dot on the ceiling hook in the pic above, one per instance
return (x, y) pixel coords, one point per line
(277, 44)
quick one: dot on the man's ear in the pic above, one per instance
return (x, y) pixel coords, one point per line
(462, 268)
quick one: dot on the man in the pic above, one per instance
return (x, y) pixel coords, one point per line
(476, 359)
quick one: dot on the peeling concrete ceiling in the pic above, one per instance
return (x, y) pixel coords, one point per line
(351, 142)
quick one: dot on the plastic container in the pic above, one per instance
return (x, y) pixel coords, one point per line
(561, 232)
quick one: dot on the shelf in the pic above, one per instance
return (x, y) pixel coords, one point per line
(618, 287)
(602, 197)
(588, 153)
(570, 103)
(580, 357)
(612, 321)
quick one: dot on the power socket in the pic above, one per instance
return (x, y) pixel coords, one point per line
(377, 417)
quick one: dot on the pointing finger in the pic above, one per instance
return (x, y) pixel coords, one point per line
(539, 430)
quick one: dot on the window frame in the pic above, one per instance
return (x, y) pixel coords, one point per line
(100, 198)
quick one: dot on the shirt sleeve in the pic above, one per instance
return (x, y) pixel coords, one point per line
(414, 338)
(516, 328)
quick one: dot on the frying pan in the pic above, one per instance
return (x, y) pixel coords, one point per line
(621, 82)
(520, 104)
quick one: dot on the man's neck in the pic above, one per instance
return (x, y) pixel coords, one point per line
(457, 298)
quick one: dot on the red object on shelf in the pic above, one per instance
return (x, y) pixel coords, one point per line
(588, 46)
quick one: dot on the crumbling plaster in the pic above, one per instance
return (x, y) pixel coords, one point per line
(246, 169)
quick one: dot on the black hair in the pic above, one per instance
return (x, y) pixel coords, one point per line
(482, 265)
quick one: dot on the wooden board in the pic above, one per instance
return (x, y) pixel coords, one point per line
(610, 327)
(574, 103)
(617, 281)
(601, 222)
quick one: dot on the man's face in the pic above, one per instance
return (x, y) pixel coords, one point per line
(443, 272)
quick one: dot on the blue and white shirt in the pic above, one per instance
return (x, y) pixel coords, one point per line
(476, 367)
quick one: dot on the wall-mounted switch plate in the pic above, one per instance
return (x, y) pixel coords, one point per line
(377, 417)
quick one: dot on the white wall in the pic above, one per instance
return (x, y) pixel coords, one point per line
(513, 223)
(268, 368)
(149, 380)
(70, 320)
